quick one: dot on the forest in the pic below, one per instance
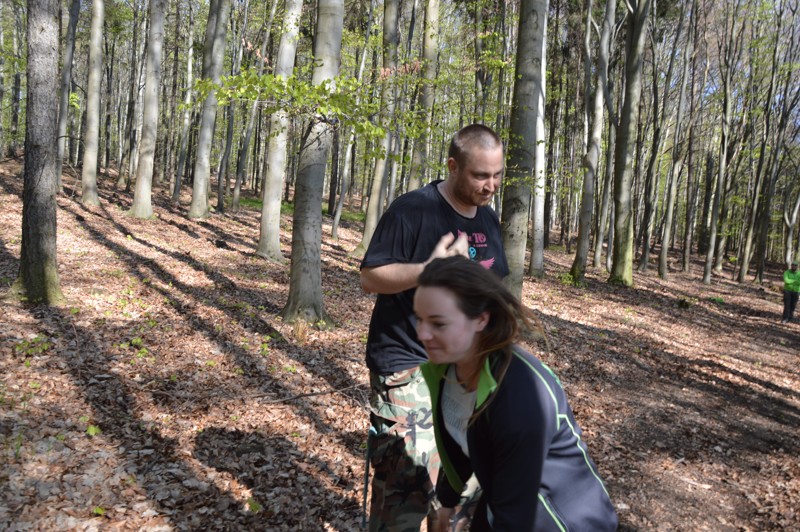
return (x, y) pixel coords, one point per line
(196, 181)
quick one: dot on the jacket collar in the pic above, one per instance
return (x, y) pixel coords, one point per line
(487, 384)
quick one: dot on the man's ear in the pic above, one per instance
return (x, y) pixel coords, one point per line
(452, 165)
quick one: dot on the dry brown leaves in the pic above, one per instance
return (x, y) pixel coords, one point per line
(168, 394)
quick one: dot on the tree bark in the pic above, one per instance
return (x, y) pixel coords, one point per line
(66, 82)
(622, 258)
(92, 136)
(305, 284)
(187, 111)
(592, 158)
(379, 174)
(38, 280)
(269, 242)
(244, 151)
(142, 198)
(350, 146)
(212, 68)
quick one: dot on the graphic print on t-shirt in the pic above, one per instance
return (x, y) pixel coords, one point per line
(478, 241)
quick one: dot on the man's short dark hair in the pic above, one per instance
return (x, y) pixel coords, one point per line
(469, 137)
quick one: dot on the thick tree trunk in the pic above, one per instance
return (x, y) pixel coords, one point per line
(142, 198)
(527, 112)
(269, 242)
(539, 49)
(622, 258)
(305, 284)
(38, 280)
(92, 136)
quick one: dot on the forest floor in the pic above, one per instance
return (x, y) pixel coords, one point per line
(167, 394)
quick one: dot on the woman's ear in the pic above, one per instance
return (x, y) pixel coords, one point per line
(482, 321)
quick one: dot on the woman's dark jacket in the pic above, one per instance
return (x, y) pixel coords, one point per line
(526, 452)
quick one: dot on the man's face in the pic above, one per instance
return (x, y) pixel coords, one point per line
(794, 267)
(476, 181)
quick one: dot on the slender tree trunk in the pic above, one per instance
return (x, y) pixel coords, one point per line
(379, 174)
(38, 280)
(269, 243)
(244, 151)
(430, 40)
(92, 136)
(212, 69)
(66, 82)
(16, 39)
(605, 211)
(142, 199)
(592, 158)
(187, 111)
(223, 175)
(305, 283)
(731, 48)
(349, 153)
(2, 79)
(130, 117)
(675, 169)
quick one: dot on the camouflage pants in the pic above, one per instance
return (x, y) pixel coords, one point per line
(403, 452)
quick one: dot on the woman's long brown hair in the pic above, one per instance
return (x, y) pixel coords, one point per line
(478, 290)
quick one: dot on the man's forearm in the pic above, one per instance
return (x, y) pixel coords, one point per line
(391, 278)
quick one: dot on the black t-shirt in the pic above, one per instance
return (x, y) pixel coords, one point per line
(407, 233)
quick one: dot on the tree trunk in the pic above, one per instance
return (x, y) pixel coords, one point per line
(187, 111)
(92, 135)
(38, 280)
(244, 151)
(379, 174)
(130, 116)
(142, 198)
(66, 82)
(305, 283)
(675, 169)
(349, 153)
(269, 241)
(592, 157)
(622, 258)
(212, 69)
(2, 78)
(223, 174)
(538, 47)
(16, 38)
(730, 51)
(430, 46)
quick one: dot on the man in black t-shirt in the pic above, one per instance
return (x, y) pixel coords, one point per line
(444, 218)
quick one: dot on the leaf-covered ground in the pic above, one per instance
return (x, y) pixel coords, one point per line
(168, 394)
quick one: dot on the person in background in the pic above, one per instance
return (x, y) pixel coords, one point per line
(499, 412)
(791, 291)
(443, 218)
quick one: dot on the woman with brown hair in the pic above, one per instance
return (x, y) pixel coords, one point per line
(499, 412)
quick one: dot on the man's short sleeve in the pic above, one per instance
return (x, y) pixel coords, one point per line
(391, 243)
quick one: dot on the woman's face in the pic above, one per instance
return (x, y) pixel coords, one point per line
(449, 335)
